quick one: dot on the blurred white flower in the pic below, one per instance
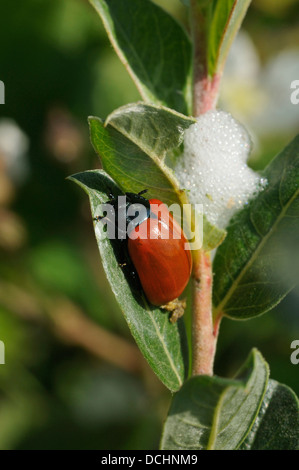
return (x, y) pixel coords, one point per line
(14, 145)
(260, 96)
(243, 62)
(63, 135)
(241, 93)
(279, 114)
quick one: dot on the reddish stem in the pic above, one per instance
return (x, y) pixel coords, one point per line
(204, 332)
(205, 94)
(205, 87)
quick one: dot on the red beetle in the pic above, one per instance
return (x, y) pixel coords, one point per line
(163, 263)
(159, 251)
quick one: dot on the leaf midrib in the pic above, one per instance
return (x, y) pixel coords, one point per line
(162, 342)
(216, 418)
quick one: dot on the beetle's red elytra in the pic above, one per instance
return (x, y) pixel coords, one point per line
(163, 264)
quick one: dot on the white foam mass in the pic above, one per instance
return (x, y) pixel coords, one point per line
(213, 167)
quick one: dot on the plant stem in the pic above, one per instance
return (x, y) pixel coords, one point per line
(205, 87)
(205, 94)
(204, 332)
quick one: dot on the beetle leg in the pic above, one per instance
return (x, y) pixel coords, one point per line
(176, 308)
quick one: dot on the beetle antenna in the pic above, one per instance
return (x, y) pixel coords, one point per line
(142, 192)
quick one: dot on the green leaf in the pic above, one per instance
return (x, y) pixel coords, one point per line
(162, 343)
(211, 413)
(216, 24)
(154, 129)
(277, 425)
(258, 263)
(226, 19)
(129, 166)
(153, 47)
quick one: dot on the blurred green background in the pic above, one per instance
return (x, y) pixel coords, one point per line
(73, 378)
